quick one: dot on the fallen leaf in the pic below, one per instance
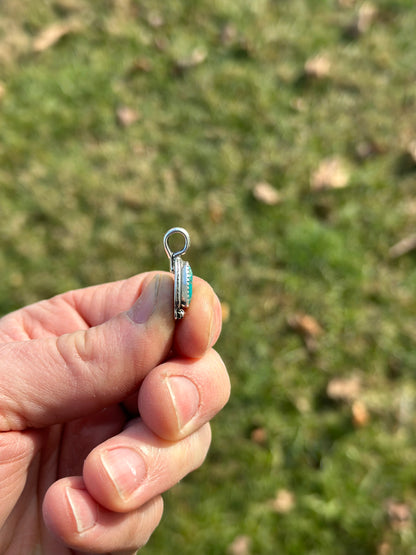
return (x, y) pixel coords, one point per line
(305, 324)
(127, 116)
(303, 404)
(366, 16)
(284, 501)
(240, 546)
(225, 311)
(131, 200)
(404, 246)
(52, 34)
(360, 415)
(344, 389)
(410, 207)
(367, 13)
(259, 436)
(197, 56)
(266, 194)
(399, 515)
(308, 327)
(411, 150)
(384, 549)
(155, 19)
(331, 174)
(215, 210)
(318, 67)
(141, 64)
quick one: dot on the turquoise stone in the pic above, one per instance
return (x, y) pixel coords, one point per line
(186, 284)
(190, 276)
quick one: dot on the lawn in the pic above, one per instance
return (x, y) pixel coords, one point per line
(282, 135)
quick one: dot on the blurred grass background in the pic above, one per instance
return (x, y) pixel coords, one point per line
(281, 134)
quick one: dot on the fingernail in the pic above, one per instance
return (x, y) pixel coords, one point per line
(156, 296)
(125, 468)
(185, 398)
(145, 305)
(85, 514)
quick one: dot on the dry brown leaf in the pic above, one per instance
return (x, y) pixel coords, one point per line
(305, 324)
(360, 414)
(308, 327)
(240, 546)
(14, 37)
(126, 116)
(410, 207)
(332, 173)
(259, 436)
(216, 210)
(266, 193)
(344, 389)
(141, 65)
(155, 19)
(366, 16)
(303, 404)
(399, 514)
(284, 501)
(367, 13)
(403, 247)
(384, 549)
(411, 150)
(318, 67)
(225, 311)
(52, 34)
(197, 56)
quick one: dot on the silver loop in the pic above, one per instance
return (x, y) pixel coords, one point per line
(168, 234)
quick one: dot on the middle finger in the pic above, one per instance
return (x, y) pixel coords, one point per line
(131, 468)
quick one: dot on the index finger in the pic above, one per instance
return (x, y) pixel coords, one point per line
(194, 334)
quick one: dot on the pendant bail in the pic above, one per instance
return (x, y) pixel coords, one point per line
(182, 271)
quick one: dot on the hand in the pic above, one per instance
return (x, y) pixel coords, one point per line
(104, 405)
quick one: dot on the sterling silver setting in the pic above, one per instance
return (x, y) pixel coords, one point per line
(182, 291)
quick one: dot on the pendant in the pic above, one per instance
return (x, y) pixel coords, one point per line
(182, 290)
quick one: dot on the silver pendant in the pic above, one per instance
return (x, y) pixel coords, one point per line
(182, 291)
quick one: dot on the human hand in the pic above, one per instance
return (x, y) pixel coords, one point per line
(104, 404)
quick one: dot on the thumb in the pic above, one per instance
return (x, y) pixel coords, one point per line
(57, 379)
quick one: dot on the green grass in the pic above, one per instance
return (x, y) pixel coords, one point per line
(85, 200)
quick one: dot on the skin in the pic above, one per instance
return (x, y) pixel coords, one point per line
(105, 403)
